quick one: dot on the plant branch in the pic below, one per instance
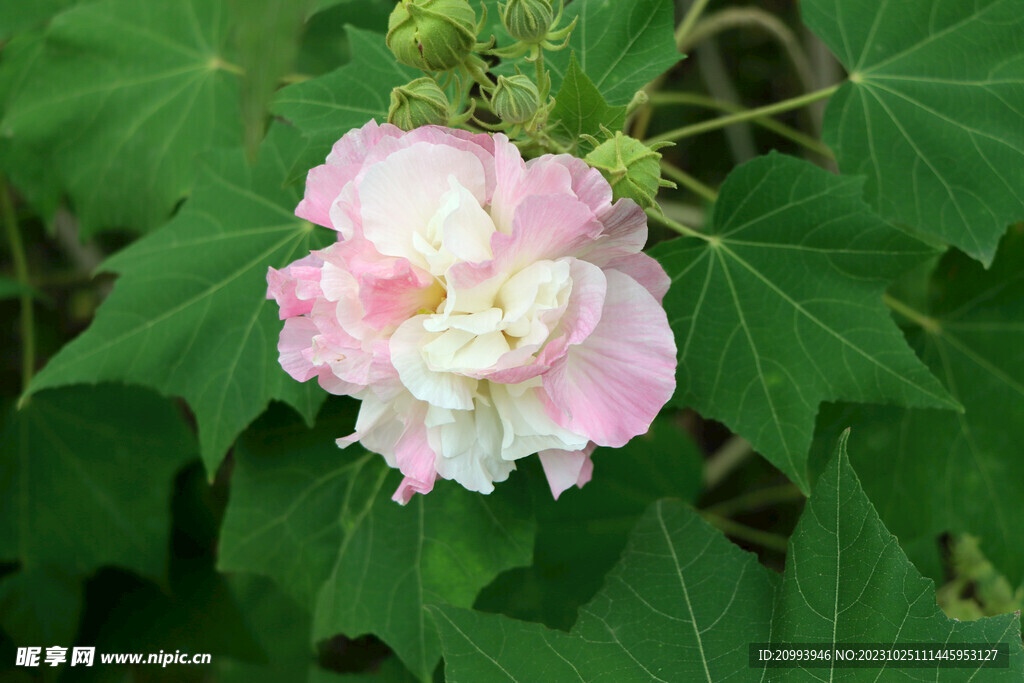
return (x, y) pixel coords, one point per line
(765, 539)
(756, 499)
(688, 181)
(737, 17)
(771, 124)
(688, 22)
(930, 325)
(725, 460)
(28, 336)
(744, 116)
(675, 225)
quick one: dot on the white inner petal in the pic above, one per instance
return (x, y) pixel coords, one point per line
(476, 327)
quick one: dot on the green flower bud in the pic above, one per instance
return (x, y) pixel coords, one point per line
(630, 166)
(419, 103)
(515, 99)
(433, 35)
(528, 20)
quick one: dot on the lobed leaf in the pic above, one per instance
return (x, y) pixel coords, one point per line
(122, 98)
(930, 472)
(779, 307)
(326, 107)
(581, 110)
(86, 478)
(188, 315)
(320, 522)
(931, 114)
(684, 604)
(621, 46)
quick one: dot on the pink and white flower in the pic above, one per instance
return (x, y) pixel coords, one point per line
(481, 307)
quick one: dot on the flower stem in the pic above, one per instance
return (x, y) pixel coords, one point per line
(765, 539)
(747, 115)
(688, 181)
(739, 17)
(688, 22)
(929, 325)
(768, 123)
(28, 336)
(725, 460)
(683, 230)
(756, 499)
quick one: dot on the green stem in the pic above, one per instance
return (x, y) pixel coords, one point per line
(727, 458)
(289, 79)
(739, 17)
(768, 123)
(929, 325)
(756, 500)
(747, 115)
(765, 539)
(688, 181)
(540, 73)
(675, 225)
(28, 336)
(688, 22)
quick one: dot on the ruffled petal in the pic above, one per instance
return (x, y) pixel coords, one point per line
(442, 389)
(612, 385)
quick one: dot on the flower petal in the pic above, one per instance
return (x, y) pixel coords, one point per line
(442, 389)
(565, 469)
(400, 195)
(611, 386)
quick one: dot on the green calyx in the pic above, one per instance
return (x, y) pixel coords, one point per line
(432, 35)
(630, 167)
(528, 20)
(515, 99)
(419, 103)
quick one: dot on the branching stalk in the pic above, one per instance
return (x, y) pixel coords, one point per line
(727, 458)
(688, 181)
(688, 22)
(744, 116)
(674, 225)
(929, 325)
(765, 539)
(771, 124)
(755, 500)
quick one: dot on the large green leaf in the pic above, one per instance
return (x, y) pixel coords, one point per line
(86, 476)
(848, 581)
(20, 16)
(325, 108)
(932, 112)
(928, 471)
(321, 523)
(581, 535)
(680, 606)
(123, 97)
(188, 315)
(621, 46)
(684, 604)
(779, 307)
(581, 110)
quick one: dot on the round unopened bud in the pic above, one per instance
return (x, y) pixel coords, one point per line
(528, 20)
(433, 35)
(419, 103)
(515, 99)
(631, 168)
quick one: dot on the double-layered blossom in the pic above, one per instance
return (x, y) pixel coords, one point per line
(482, 308)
